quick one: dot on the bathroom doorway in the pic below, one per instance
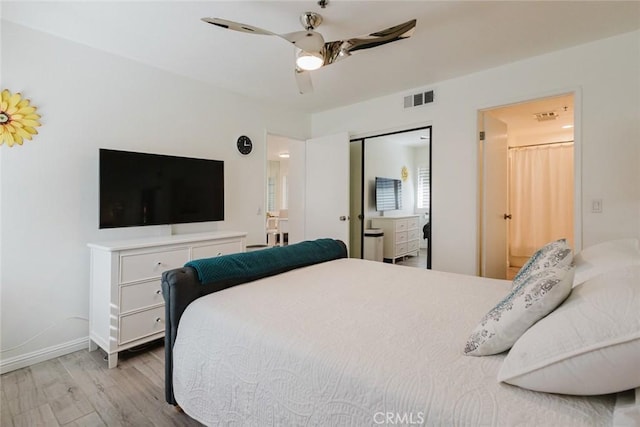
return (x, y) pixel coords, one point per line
(527, 181)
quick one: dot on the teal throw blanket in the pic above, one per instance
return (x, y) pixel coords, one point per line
(248, 266)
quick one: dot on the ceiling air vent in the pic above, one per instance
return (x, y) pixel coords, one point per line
(418, 99)
(545, 116)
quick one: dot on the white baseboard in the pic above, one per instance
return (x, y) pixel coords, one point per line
(17, 362)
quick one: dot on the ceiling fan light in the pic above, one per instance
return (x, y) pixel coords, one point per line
(309, 61)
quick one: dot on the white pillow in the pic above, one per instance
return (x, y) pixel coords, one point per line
(527, 303)
(589, 345)
(557, 253)
(605, 257)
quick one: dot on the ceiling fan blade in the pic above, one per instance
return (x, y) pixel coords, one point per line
(303, 79)
(399, 32)
(309, 41)
(237, 26)
(337, 50)
(403, 30)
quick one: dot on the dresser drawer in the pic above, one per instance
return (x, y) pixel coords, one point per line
(401, 237)
(413, 223)
(216, 249)
(401, 225)
(140, 325)
(150, 265)
(412, 246)
(414, 234)
(401, 249)
(140, 295)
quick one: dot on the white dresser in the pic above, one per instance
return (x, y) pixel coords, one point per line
(401, 235)
(126, 303)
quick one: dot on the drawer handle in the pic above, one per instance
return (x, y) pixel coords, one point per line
(158, 320)
(159, 291)
(219, 254)
(159, 263)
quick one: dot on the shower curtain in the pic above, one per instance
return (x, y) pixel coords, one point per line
(540, 198)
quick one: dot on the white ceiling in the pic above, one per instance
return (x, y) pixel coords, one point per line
(523, 115)
(521, 120)
(452, 38)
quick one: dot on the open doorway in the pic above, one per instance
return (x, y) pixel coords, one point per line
(401, 161)
(306, 189)
(277, 183)
(527, 181)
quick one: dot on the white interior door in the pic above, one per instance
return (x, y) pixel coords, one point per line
(495, 158)
(327, 188)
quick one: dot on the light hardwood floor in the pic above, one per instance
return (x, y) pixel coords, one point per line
(414, 261)
(79, 390)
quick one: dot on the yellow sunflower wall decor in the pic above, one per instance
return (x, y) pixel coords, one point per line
(18, 119)
(404, 173)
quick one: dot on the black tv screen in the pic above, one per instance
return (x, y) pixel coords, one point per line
(388, 194)
(150, 189)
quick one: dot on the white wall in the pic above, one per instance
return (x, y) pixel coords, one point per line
(605, 75)
(89, 99)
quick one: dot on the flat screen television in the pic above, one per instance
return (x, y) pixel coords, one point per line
(388, 193)
(139, 189)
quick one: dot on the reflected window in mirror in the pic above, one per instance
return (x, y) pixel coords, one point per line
(423, 193)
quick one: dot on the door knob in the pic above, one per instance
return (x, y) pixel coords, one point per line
(507, 216)
(343, 218)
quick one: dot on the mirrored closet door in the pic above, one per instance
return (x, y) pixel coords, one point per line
(391, 197)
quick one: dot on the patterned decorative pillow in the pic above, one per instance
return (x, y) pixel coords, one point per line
(552, 254)
(534, 298)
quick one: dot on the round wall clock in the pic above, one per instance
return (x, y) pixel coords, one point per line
(244, 145)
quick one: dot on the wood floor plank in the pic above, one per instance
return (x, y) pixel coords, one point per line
(116, 409)
(149, 399)
(78, 389)
(39, 416)
(89, 420)
(152, 369)
(71, 406)
(52, 377)
(90, 375)
(64, 396)
(6, 420)
(158, 352)
(21, 391)
(15, 382)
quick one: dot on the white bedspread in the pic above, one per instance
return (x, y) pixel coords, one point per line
(354, 342)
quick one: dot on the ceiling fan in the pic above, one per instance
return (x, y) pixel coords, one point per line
(312, 51)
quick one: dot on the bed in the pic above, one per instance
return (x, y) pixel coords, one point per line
(346, 342)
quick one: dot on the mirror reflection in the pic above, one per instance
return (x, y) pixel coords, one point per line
(277, 191)
(396, 199)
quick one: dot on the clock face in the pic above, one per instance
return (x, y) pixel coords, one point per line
(244, 145)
